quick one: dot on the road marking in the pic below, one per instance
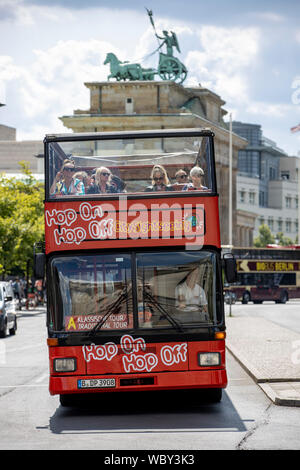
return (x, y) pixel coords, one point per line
(23, 386)
(41, 378)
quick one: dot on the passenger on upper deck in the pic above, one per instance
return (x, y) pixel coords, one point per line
(64, 182)
(196, 175)
(160, 180)
(85, 178)
(181, 177)
(102, 182)
(118, 184)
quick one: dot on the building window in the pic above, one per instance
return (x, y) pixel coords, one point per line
(242, 196)
(262, 199)
(279, 225)
(271, 224)
(272, 173)
(296, 226)
(288, 226)
(288, 202)
(296, 202)
(285, 175)
(248, 163)
(251, 197)
(261, 221)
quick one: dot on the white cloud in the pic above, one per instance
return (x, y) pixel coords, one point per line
(52, 85)
(270, 16)
(230, 47)
(8, 70)
(15, 11)
(223, 62)
(276, 110)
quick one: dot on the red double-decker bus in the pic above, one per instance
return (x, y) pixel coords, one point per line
(133, 263)
(266, 274)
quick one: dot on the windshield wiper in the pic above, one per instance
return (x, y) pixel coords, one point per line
(113, 308)
(155, 303)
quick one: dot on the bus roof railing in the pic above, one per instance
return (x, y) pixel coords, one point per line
(139, 134)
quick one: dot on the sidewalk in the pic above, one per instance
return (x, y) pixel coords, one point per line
(270, 354)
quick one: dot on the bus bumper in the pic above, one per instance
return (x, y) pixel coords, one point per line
(213, 378)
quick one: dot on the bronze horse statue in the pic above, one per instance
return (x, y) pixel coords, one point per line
(127, 71)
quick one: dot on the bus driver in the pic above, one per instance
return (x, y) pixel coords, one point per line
(190, 296)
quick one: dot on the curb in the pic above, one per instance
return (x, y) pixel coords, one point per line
(269, 387)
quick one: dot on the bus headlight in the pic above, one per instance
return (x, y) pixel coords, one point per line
(64, 364)
(209, 359)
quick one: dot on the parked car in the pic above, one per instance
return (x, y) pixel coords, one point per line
(229, 297)
(8, 316)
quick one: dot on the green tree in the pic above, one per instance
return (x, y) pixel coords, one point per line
(283, 240)
(265, 237)
(21, 220)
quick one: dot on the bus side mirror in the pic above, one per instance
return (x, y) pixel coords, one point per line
(230, 268)
(39, 265)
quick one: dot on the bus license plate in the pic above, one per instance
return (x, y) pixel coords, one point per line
(97, 383)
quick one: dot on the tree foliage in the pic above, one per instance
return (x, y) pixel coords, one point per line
(21, 220)
(283, 240)
(265, 237)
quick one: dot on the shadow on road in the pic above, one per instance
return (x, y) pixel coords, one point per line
(147, 412)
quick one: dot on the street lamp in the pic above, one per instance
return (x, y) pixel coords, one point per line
(230, 182)
(298, 177)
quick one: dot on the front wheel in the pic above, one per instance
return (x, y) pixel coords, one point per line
(213, 395)
(67, 400)
(13, 330)
(283, 298)
(4, 331)
(246, 298)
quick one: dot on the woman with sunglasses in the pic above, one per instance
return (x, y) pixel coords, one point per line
(102, 182)
(181, 177)
(64, 183)
(160, 180)
(196, 175)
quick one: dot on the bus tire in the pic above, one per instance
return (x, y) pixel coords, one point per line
(67, 400)
(284, 297)
(214, 395)
(210, 395)
(246, 298)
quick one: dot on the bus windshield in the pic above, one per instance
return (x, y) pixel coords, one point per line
(101, 292)
(129, 165)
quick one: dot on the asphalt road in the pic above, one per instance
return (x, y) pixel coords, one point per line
(287, 315)
(32, 419)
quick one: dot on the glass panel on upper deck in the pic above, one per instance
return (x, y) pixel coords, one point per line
(129, 165)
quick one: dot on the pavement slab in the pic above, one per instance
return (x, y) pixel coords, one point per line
(270, 354)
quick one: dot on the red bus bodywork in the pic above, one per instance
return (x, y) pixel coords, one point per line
(175, 367)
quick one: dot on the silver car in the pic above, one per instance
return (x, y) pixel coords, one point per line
(8, 316)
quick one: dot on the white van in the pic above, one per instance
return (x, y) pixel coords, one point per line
(8, 316)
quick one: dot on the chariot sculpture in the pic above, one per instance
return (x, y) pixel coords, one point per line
(169, 67)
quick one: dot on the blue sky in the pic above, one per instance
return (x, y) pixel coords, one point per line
(247, 52)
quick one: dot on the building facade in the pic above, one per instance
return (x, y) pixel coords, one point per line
(267, 183)
(13, 151)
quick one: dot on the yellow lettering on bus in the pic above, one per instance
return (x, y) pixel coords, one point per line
(71, 324)
(264, 266)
